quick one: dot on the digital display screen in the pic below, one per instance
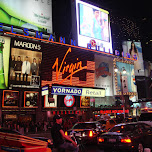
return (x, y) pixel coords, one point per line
(31, 14)
(93, 24)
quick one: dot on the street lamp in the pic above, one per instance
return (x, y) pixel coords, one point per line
(121, 71)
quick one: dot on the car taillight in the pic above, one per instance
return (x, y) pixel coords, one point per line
(126, 140)
(100, 139)
(91, 133)
(66, 133)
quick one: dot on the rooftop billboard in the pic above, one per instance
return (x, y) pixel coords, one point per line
(93, 25)
(31, 14)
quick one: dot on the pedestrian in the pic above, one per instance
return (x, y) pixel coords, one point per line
(58, 136)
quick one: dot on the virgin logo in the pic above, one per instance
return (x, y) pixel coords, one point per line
(69, 101)
(93, 43)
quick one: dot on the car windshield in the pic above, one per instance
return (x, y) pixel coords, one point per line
(123, 128)
(84, 126)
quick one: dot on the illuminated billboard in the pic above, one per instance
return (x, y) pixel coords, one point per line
(31, 14)
(25, 64)
(124, 75)
(104, 73)
(4, 61)
(135, 51)
(31, 99)
(10, 98)
(93, 25)
(67, 66)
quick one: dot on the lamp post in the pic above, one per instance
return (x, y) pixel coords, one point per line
(121, 71)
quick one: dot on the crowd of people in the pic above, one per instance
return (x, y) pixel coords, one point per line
(35, 127)
(68, 122)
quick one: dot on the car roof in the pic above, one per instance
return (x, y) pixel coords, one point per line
(130, 123)
(87, 122)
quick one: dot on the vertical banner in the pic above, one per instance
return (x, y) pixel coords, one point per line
(124, 77)
(104, 73)
(134, 50)
(4, 61)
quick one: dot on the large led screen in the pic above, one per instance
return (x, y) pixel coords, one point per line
(4, 61)
(93, 24)
(31, 14)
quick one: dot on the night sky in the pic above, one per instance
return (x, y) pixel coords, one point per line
(139, 11)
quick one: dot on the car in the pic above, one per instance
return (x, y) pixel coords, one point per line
(85, 132)
(11, 140)
(133, 136)
(146, 117)
(130, 119)
(49, 141)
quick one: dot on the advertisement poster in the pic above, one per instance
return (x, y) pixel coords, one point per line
(31, 99)
(31, 14)
(125, 78)
(84, 102)
(135, 51)
(50, 101)
(93, 24)
(104, 73)
(10, 98)
(25, 64)
(4, 61)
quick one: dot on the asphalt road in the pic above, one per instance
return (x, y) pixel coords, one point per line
(91, 148)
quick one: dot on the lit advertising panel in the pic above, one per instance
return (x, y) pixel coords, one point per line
(31, 14)
(50, 101)
(31, 99)
(93, 24)
(10, 98)
(4, 61)
(25, 64)
(104, 73)
(135, 50)
(124, 77)
(84, 102)
(65, 65)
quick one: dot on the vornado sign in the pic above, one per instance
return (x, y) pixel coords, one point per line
(90, 92)
(27, 45)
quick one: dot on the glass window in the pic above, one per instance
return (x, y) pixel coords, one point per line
(84, 126)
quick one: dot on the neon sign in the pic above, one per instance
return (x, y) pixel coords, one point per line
(39, 36)
(70, 68)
